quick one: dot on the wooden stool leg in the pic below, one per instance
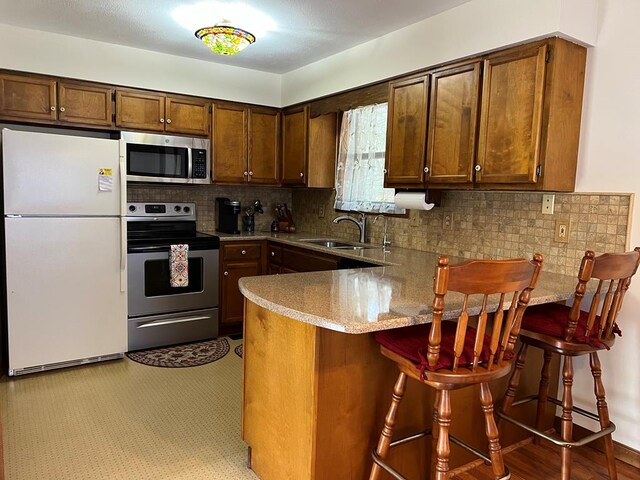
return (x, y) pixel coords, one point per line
(443, 448)
(514, 381)
(434, 434)
(389, 422)
(495, 451)
(603, 412)
(566, 425)
(543, 393)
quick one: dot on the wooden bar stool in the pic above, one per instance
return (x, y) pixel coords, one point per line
(570, 332)
(449, 355)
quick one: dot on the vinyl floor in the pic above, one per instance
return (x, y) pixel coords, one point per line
(122, 420)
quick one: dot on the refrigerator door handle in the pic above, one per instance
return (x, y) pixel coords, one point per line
(123, 183)
(123, 254)
(123, 221)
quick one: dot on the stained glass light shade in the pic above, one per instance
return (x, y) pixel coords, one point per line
(225, 39)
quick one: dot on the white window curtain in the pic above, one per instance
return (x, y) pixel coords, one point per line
(360, 167)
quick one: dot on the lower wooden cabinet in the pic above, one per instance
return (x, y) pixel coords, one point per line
(237, 260)
(289, 259)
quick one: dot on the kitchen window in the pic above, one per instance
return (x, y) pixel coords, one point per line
(360, 167)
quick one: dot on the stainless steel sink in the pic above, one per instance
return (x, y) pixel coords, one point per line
(336, 244)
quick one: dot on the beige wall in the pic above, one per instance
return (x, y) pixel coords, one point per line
(471, 28)
(609, 162)
(53, 54)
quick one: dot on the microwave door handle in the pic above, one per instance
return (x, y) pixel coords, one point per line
(189, 163)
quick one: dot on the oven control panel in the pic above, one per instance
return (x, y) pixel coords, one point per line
(161, 211)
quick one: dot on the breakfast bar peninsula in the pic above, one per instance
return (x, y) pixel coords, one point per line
(315, 386)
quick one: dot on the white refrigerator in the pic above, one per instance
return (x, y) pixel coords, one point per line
(65, 248)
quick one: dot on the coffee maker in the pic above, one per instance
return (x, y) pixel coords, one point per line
(227, 215)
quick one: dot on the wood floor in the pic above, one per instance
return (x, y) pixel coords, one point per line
(532, 462)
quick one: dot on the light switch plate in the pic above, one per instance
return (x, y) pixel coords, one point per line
(563, 230)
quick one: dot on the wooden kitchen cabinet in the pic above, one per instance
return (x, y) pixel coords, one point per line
(264, 146)
(309, 148)
(229, 149)
(238, 259)
(511, 119)
(187, 115)
(274, 258)
(530, 117)
(453, 120)
(159, 112)
(522, 135)
(295, 259)
(294, 146)
(46, 100)
(406, 132)
(246, 144)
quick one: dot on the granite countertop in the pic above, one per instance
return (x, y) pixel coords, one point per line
(396, 294)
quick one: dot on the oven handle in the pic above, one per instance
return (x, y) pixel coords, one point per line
(158, 323)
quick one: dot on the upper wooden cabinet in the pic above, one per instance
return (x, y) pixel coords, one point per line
(530, 117)
(309, 148)
(406, 132)
(44, 100)
(523, 134)
(246, 146)
(453, 115)
(159, 112)
(229, 148)
(511, 120)
(294, 146)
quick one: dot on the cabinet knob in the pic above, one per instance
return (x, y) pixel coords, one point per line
(53, 109)
(250, 173)
(244, 252)
(301, 174)
(62, 109)
(426, 169)
(478, 168)
(162, 120)
(246, 173)
(273, 254)
(168, 120)
(226, 274)
(384, 170)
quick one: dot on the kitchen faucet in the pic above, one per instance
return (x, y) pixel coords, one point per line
(362, 224)
(385, 239)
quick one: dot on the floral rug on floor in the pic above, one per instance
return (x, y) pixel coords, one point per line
(238, 350)
(180, 356)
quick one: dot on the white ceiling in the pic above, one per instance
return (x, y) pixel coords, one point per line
(305, 31)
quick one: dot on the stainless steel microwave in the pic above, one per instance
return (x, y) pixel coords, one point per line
(165, 158)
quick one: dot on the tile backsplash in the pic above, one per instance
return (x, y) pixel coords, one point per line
(205, 198)
(490, 225)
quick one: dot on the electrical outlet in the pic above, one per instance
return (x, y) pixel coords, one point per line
(447, 221)
(563, 229)
(548, 202)
(321, 211)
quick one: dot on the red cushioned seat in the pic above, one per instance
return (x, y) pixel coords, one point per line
(412, 342)
(552, 318)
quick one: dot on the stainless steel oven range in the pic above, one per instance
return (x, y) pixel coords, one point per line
(160, 314)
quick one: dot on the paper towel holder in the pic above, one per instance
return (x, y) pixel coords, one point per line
(430, 196)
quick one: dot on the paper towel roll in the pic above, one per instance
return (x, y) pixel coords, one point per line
(412, 201)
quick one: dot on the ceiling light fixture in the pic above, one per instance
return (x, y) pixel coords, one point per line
(225, 39)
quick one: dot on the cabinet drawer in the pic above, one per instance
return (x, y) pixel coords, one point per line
(241, 251)
(275, 254)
